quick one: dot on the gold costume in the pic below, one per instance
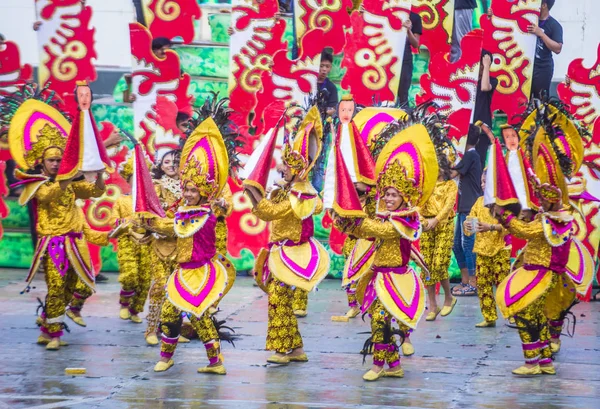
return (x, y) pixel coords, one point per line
(295, 259)
(62, 248)
(134, 258)
(436, 244)
(493, 260)
(221, 229)
(526, 292)
(164, 251)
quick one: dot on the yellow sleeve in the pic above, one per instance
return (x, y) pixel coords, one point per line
(49, 192)
(525, 230)
(86, 190)
(163, 225)
(370, 228)
(228, 197)
(115, 214)
(99, 238)
(450, 198)
(268, 211)
(319, 207)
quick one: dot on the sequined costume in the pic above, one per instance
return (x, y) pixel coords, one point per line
(164, 251)
(294, 259)
(493, 260)
(61, 247)
(134, 257)
(436, 244)
(199, 280)
(525, 292)
(221, 229)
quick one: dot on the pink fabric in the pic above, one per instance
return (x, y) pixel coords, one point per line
(308, 230)
(204, 247)
(531, 346)
(196, 300)
(353, 270)
(370, 293)
(409, 309)
(373, 122)
(310, 270)
(510, 300)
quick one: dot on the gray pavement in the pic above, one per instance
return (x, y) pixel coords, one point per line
(455, 365)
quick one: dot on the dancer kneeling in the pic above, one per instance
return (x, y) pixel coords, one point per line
(202, 275)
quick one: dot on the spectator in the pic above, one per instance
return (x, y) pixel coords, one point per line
(463, 23)
(549, 40)
(160, 45)
(469, 190)
(323, 82)
(414, 29)
(483, 103)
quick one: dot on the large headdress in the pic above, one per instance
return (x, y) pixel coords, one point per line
(210, 153)
(36, 129)
(301, 151)
(554, 147)
(410, 153)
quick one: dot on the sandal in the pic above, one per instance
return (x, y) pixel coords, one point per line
(464, 290)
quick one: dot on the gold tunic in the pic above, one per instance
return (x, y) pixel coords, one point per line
(441, 202)
(168, 191)
(487, 243)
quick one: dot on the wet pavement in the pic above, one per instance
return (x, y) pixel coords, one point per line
(455, 364)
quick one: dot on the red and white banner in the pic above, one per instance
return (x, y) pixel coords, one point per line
(453, 86)
(256, 38)
(438, 20)
(331, 16)
(66, 44)
(506, 37)
(172, 18)
(374, 50)
(581, 92)
(12, 73)
(154, 117)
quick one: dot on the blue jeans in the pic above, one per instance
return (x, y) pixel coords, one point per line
(463, 245)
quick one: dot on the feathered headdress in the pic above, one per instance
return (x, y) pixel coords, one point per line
(36, 129)
(410, 153)
(554, 147)
(205, 159)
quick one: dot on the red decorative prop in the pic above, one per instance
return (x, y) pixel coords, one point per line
(145, 200)
(581, 93)
(172, 18)
(374, 48)
(3, 193)
(453, 86)
(66, 44)
(12, 73)
(153, 77)
(438, 18)
(506, 37)
(331, 16)
(256, 37)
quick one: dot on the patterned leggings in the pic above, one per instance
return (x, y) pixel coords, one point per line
(300, 300)
(385, 347)
(349, 244)
(282, 331)
(62, 291)
(160, 273)
(533, 330)
(134, 274)
(170, 325)
(490, 272)
(436, 247)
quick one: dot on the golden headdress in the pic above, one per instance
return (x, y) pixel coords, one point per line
(301, 152)
(554, 147)
(37, 131)
(204, 159)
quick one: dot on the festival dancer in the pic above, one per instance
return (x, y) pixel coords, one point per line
(360, 164)
(538, 291)
(493, 255)
(164, 249)
(393, 291)
(133, 253)
(202, 274)
(294, 258)
(61, 227)
(438, 238)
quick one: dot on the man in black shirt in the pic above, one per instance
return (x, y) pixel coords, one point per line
(469, 189)
(550, 40)
(324, 83)
(483, 103)
(414, 29)
(463, 23)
